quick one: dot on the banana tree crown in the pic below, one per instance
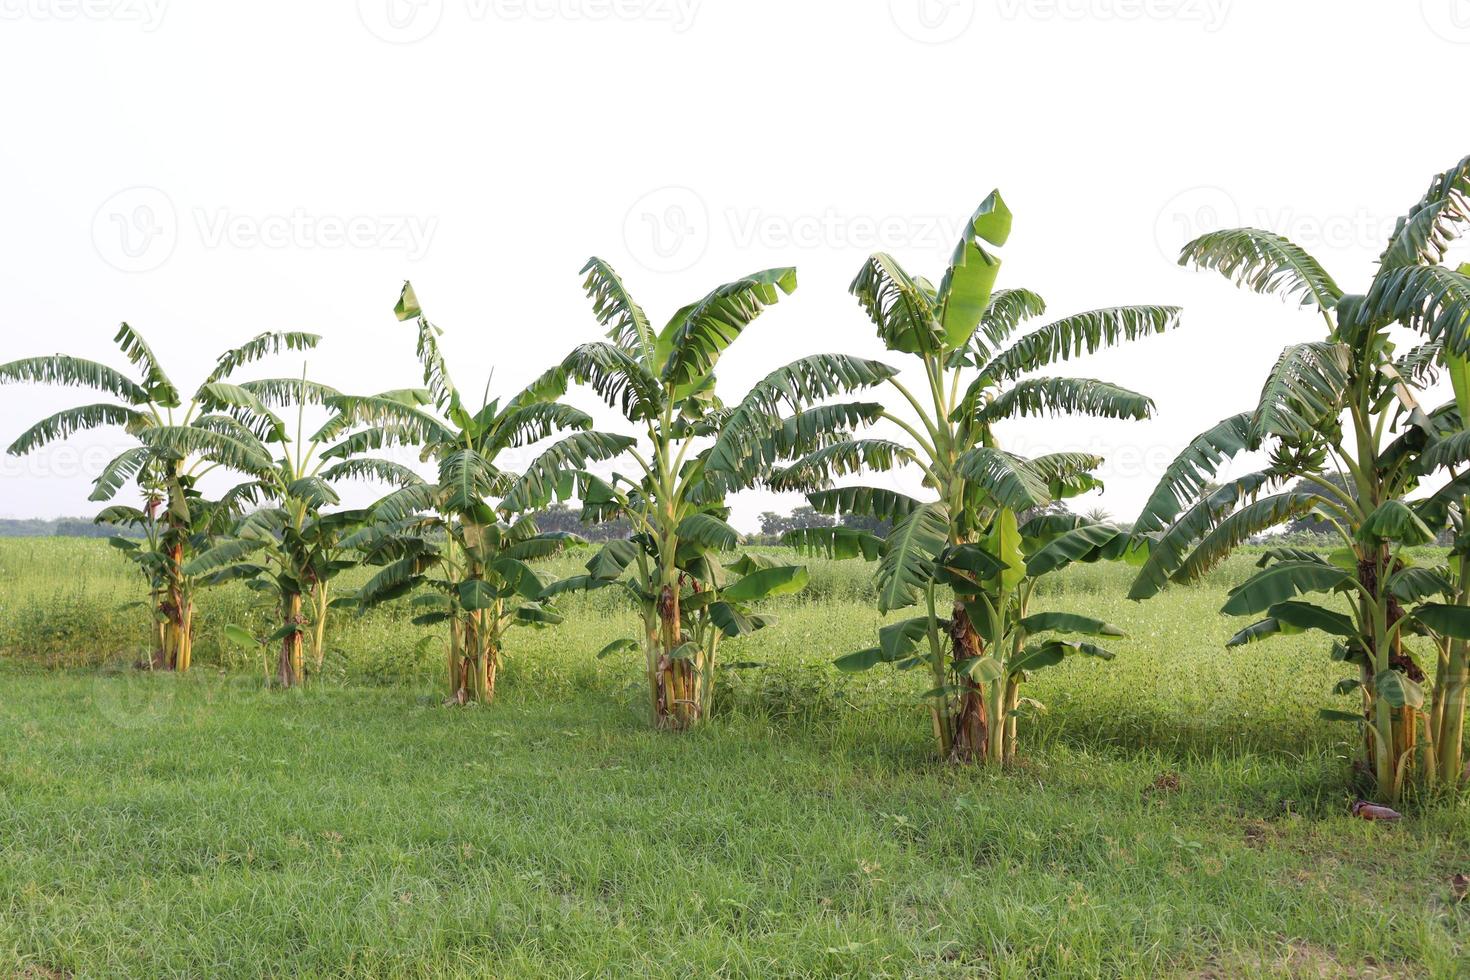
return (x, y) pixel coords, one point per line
(218, 412)
(466, 444)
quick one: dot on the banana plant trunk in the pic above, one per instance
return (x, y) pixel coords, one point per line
(178, 614)
(289, 666)
(678, 694)
(474, 661)
(1451, 683)
(970, 724)
(1391, 734)
(320, 602)
(1449, 736)
(177, 605)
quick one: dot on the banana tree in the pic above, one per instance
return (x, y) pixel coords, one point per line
(473, 555)
(703, 601)
(290, 552)
(970, 543)
(166, 468)
(207, 520)
(695, 451)
(1343, 414)
(292, 549)
(304, 481)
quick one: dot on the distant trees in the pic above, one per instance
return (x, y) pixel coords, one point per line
(79, 527)
(1315, 523)
(59, 528)
(559, 518)
(773, 525)
(31, 527)
(867, 524)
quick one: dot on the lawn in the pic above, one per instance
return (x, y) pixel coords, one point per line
(1180, 811)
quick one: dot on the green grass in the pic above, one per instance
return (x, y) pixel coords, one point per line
(200, 826)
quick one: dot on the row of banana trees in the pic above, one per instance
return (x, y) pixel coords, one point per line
(1340, 427)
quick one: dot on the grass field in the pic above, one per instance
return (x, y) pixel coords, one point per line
(1180, 812)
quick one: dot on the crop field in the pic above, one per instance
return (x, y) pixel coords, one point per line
(1180, 811)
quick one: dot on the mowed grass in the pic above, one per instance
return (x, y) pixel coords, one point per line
(1179, 812)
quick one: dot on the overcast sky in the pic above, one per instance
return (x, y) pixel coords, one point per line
(207, 171)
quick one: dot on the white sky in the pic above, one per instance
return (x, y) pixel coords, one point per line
(190, 167)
